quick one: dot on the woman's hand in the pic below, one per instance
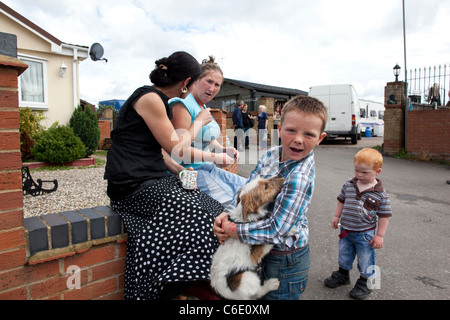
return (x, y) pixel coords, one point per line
(204, 116)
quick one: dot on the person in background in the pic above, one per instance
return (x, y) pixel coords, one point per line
(238, 126)
(248, 122)
(276, 122)
(263, 122)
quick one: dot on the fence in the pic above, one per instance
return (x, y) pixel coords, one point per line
(430, 85)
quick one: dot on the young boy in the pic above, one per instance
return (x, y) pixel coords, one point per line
(361, 203)
(301, 128)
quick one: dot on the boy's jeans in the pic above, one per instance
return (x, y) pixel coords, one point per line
(357, 244)
(291, 270)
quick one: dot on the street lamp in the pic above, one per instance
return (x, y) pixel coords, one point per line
(396, 72)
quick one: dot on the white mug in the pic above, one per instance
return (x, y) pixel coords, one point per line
(188, 179)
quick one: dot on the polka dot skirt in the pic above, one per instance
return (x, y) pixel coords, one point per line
(170, 237)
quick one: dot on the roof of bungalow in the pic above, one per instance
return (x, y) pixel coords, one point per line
(56, 44)
(265, 88)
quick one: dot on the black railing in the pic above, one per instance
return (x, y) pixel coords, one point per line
(430, 85)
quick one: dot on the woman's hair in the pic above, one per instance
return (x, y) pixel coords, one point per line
(209, 65)
(369, 157)
(263, 107)
(178, 66)
(307, 105)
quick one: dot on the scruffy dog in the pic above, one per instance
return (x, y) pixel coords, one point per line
(234, 265)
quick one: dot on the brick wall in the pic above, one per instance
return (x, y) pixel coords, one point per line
(105, 131)
(44, 272)
(429, 134)
(394, 117)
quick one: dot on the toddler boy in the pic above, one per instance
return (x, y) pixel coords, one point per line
(362, 202)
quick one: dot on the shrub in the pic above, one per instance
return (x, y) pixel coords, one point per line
(58, 144)
(85, 125)
(30, 124)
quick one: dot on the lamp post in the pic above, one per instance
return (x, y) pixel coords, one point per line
(396, 72)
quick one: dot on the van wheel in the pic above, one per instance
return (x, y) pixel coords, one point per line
(355, 138)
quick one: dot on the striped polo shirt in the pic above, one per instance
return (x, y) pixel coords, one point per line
(362, 209)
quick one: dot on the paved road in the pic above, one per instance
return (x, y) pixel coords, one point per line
(415, 260)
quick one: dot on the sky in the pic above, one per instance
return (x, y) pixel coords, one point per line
(286, 43)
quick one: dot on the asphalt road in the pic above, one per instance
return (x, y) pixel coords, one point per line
(414, 263)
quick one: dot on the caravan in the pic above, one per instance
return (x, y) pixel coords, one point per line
(343, 108)
(372, 117)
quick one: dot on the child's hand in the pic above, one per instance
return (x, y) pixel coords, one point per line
(335, 223)
(218, 227)
(377, 242)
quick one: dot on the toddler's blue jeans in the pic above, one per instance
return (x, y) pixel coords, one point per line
(357, 244)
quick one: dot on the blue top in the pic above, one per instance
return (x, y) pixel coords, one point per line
(237, 118)
(209, 132)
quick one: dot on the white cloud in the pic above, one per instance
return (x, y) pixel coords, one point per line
(290, 43)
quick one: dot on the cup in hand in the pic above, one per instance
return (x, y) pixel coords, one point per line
(188, 179)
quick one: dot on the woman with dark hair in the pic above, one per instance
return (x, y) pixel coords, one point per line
(170, 243)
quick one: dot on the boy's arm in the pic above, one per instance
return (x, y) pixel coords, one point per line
(377, 241)
(337, 215)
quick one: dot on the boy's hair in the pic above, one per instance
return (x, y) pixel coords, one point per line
(308, 105)
(370, 157)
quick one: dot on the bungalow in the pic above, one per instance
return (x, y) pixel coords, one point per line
(51, 82)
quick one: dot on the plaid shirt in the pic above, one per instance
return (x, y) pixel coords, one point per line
(290, 206)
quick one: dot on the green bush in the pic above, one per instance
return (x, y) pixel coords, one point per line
(30, 124)
(85, 125)
(58, 144)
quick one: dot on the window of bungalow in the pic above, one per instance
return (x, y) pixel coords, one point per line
(33, 84)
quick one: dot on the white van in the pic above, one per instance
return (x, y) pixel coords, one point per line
(342, 103)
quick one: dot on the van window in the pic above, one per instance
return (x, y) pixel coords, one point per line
(373, 113)
(381, 115)
(362, 112)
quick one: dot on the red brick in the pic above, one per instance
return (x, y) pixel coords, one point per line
(12, 239)
(9, 140)
(11, 200)
(91, 257)
(93, 290)
(9, 119)
(12, 259)
(11, 160)
(28, 274)
(108, 269)
(9, 99)
(48, 287)
(11, 219)
(14, 294)
(10, 180)
(9, 78)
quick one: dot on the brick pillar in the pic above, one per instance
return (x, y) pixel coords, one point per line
(394, 117)
(12, 234)
(221, 118)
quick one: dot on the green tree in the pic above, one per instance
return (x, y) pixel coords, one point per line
(85, 125)
(30, 124)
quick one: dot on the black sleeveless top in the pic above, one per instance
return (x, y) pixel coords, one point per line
(134, 156)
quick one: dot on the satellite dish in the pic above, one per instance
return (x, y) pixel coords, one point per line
(96, 52)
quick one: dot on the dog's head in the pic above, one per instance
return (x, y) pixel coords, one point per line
(254, 196)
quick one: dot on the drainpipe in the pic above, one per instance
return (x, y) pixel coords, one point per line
(75, 85)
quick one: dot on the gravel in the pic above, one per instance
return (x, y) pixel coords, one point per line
(77, 189)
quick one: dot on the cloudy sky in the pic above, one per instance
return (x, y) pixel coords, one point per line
(287, 43)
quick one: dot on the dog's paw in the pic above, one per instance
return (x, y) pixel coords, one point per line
(272, 284)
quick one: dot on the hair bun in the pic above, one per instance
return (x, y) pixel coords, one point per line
(211, 59)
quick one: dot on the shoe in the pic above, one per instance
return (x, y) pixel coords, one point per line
(360, 291)
(337, 279)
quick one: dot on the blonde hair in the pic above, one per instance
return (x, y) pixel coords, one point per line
(370, 157)
(210, 65)
(307, 105)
